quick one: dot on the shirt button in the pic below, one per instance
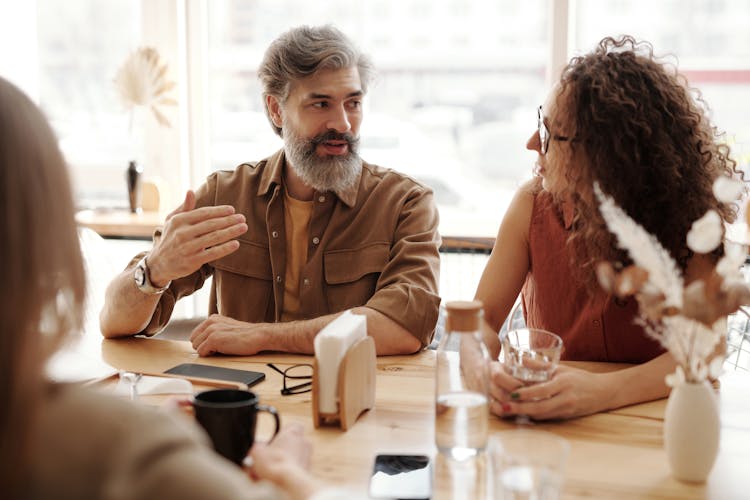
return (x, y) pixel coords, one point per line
(306, 282)
(321, 199)
(275, 234)
(316, 240)
(278, 278)
(597, 322)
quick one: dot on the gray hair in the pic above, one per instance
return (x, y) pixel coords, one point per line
(301, 52)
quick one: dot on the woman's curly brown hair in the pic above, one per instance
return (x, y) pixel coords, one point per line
(640, 134)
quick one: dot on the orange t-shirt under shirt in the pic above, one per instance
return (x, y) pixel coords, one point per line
(297, 215)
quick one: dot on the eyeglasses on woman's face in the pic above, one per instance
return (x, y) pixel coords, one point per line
(544, 135)
(292, 375)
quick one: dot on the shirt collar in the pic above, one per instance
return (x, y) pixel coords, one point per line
(273, 175)
(349, 195)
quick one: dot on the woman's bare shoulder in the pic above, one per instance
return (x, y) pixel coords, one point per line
(523, 201)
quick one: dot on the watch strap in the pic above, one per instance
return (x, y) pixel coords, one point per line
(143, 279)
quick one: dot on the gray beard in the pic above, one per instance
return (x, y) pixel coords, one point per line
(331, 173)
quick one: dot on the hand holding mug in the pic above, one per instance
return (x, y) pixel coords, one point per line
(229, 416)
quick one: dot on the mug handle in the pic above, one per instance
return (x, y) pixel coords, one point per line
(272, 411)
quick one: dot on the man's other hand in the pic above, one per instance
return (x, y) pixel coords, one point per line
(220, 334)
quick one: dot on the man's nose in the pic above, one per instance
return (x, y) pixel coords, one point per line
(338, 120)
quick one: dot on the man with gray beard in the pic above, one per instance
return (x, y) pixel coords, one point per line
(299, 237)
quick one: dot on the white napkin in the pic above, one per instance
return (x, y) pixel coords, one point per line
(155, 385)
(331, 344)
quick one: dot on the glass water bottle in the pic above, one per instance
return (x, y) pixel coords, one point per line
(462, 383)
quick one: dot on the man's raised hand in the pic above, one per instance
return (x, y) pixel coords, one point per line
(192, 237)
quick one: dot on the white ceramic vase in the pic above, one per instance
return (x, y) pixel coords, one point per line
(691, 430)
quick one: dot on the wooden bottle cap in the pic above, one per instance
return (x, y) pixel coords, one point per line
(463, 316)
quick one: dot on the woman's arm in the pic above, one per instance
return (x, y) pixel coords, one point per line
(573, 392)
(507, 267)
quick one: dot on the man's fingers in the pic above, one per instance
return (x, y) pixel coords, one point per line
(202, 344)
(217, 237)
(197, 215)
(204, 337)
(211, 232)
(219, 251)
(195, 260)
(210, 225)
(191, 247)
(187, 204)
(205, 349)
(198, 333)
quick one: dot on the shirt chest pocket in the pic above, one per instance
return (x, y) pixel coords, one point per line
(244, 283)
(351, 276)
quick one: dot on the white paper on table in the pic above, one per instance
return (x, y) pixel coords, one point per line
(79, 360)
(74, 366)
(148, 384)
(330, 346)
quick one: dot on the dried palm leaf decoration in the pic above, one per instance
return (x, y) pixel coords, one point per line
(142, 81)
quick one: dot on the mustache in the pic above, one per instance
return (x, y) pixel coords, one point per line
(332, 135)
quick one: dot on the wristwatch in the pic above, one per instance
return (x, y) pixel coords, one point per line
(143, 282)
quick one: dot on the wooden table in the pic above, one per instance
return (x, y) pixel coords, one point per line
(617, 454)
(121, 223)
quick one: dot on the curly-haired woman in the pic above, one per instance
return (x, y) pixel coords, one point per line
(620, 118)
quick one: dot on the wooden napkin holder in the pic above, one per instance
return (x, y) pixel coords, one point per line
(356, 386)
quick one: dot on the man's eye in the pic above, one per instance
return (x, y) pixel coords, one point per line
(355, 104)
(320, 104)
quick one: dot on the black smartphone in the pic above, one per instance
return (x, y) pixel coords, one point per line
(217, 373)
(402, 477)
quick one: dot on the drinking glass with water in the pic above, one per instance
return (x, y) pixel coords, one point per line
(530, 355)
(462, 383)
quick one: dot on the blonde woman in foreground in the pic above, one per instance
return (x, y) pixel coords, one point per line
(59, 441)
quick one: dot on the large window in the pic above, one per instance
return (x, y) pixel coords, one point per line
(80, 46)
(459, 81)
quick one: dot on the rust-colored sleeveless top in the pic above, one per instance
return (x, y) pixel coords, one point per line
(593, 327)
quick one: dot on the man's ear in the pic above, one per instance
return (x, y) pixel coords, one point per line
(274, 110)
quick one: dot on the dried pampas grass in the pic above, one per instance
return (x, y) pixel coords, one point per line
(688, 321)
(142, 81)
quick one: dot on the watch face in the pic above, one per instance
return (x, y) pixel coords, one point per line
(140, 275)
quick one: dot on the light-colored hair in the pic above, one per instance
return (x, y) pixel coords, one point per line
(42, 290)
(301, 52)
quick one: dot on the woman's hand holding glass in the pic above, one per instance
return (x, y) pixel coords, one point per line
(571, 392)
(529, 356)
(528, 382)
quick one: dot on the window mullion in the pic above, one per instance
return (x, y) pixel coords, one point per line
(165, 156)
(197, 90)
(559, 27)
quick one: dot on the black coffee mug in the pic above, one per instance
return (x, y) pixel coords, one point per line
(229, 416)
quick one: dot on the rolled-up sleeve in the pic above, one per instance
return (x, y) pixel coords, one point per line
(407, 289)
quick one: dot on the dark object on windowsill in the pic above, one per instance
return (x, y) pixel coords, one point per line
(133, 177)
